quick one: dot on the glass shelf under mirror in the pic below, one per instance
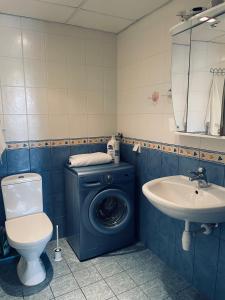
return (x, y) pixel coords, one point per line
(199, 135)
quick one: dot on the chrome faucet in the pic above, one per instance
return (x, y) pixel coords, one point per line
(200, 176)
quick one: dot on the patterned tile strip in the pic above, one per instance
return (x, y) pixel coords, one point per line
(56, 143)
(189, 152)
(212, 156)
(202, 154)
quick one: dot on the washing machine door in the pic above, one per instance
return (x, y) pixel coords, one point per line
(110, 211)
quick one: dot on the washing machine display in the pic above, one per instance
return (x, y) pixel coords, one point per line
(100, 208)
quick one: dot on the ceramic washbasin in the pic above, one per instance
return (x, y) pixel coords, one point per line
(180, 198)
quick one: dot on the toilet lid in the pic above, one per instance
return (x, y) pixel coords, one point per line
(29, 229)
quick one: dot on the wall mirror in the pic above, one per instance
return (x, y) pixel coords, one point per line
(198, 78)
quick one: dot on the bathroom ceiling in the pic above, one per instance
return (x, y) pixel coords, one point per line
(107, 15)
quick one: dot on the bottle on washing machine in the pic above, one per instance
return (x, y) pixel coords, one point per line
(113, 149)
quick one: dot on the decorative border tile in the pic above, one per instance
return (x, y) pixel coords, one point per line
(56, 143)
(155, 146)
(78, 141)
(129, 141)
(39, 144)
(17, 145)
(98, 140)
(145, 144)
(170, 148)
(202, 154)
(212, 156)
(189, 152)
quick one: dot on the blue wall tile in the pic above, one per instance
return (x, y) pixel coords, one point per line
(79, 149)
(40, 159)
(127, 154)
(166, 249)
(169, 164)
(150, 219)
(222, 231)
(46, 182)
(18, 161)
(205, 265)
(58, 202)
(59, 157)
(183, 261)
(144, 218)
(220, 285)
(57, 182)
(167, 226)
(61, 222)
(143, 166)
(187, 164)
(123, 150)
(3, 164)
(215, 172)
(155, 163)
(48, 206)
(97, 148)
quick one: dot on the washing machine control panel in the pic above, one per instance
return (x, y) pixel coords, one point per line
(108, 179)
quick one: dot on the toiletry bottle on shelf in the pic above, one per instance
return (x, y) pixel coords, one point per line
(111, 147)
(117, 152)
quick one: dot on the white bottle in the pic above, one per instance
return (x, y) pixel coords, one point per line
(111, 147)
(117, 152)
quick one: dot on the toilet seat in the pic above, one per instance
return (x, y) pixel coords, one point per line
(28, 231)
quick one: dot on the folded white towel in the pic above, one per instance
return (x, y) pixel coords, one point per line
(97, 158)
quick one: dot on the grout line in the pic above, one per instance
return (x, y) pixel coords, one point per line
(76, 9)
(109, 288)
(91, 283)
(51, 290)
(106, 14)
(217, 268)
(24, 80)
(24, 88)
(146, 15)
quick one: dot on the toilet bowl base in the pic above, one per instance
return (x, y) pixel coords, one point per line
(31, 272)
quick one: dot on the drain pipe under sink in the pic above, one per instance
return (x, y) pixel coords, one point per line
(186, 236)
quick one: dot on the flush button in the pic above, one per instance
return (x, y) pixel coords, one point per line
(21, 176)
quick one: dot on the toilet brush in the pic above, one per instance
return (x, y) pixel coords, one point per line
(57, 250)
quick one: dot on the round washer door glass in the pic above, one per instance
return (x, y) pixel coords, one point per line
(110, 211)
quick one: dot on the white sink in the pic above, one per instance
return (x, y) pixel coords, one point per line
(180, 198)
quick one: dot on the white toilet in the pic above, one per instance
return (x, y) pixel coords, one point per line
(28, 228)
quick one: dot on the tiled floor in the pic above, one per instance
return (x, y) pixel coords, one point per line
(133, 273)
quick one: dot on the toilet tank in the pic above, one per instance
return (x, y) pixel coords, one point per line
(22, 194)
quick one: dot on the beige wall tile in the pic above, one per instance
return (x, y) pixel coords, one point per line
(10, 41)
(33, 44)
(16, 127)
(11, 71)
(37, 101)
(38, 127)
(14, 100)
(35, 73)
(78, 125)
